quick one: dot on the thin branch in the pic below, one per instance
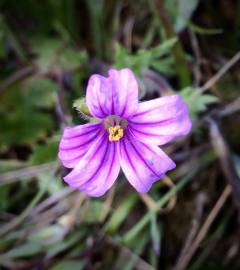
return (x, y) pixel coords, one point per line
(139, 263)
(28, 172)
(51, 200)
(69, 219)
(223, 153)
(152, 204)
(61, 108)
(205, 227)
(107, 204)
(19, 219)
(197, 55)
(18, 75)
(221, 72)
(177, 50)
(172, 202)
(200, 202)
(231, 108)
(148, 200)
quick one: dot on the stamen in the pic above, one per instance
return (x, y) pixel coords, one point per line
(115, 133)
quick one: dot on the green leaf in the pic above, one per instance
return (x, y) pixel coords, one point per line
(23, 126)
(25, 250)
(5, 192)
(40, 92)
(10, 164)
(144, 59)
(121, 213)
(69, 264)
(44, 153)
(205, 31)
(129, 262)
(139, 226)
(155, 233)
(71, 59)
(52, 52)
(92, 215)
(50, 181)
(68, 242)
(48, 235)
(180, 12)
(197, 101)
(22, 117)
(81, 106)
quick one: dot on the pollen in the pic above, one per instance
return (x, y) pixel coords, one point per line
(115, 133)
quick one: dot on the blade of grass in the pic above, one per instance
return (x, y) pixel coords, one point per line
(155, 233)
(121, 213)
(18, 220)
(133, 232)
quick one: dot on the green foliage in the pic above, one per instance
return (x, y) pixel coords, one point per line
(39, 93)
(30, 126)
(96, 8)
(23, 251)
(69, 264)
(23, 119)
(93, 212)
(50, 182)
(10, 164)
(53, 53)
(8, 36)
(205, 31)
(47, 235)
(121, 213)
(43, 153)
(157, 57)
(68, 242)
(197, 101)
(181, 12)
(2, 38)
(4, 195)
(81, 106)
(155, 230)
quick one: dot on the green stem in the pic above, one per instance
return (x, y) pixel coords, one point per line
(15, 222)
(144, 221)
(206, 159)
(177, 50)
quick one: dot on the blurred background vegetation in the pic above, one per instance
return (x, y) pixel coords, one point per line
(48, 50)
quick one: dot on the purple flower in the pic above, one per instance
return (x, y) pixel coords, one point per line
(127, 135)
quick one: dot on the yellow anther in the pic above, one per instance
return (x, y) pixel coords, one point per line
(115, 133)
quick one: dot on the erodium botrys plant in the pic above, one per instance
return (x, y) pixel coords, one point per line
(127, 135)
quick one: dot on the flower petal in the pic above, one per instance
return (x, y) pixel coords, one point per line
(142, 164)
(76, 141)
(113, 95)
(161, 120)
(97, 170)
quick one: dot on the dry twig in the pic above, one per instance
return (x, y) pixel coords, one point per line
(200, 202)
(28, 172)
(222, 150)
(18, 75)
(152, 205)
(221, 72)
(204, 229)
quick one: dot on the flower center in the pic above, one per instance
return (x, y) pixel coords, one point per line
(115, 133)
(115, 126)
